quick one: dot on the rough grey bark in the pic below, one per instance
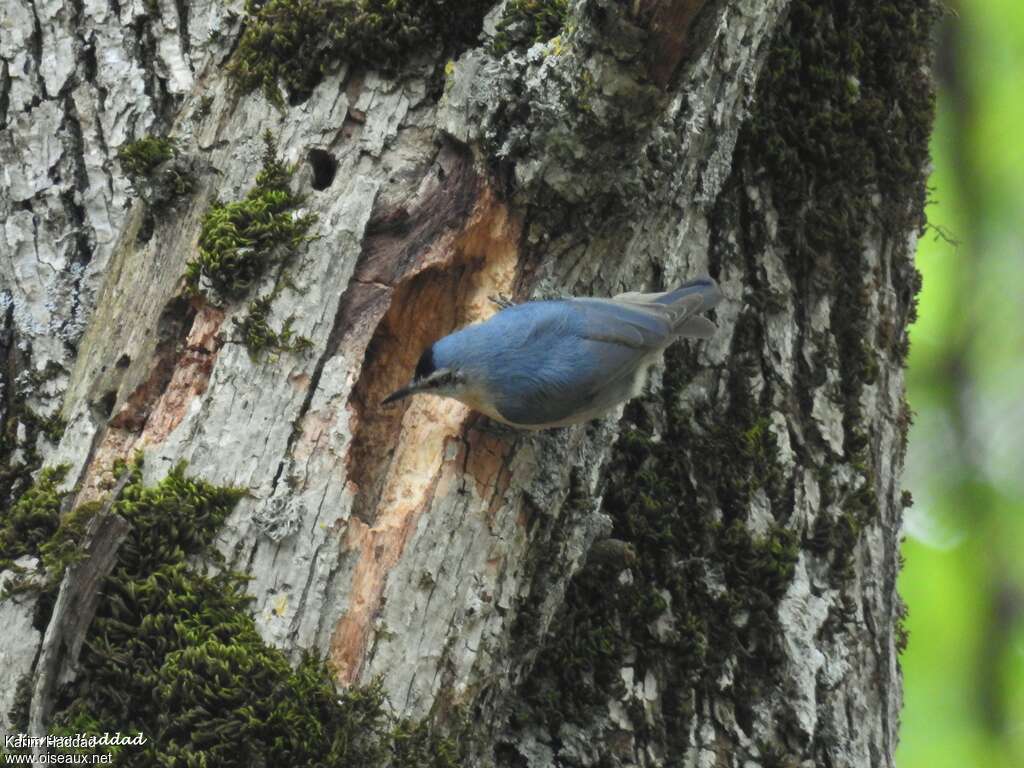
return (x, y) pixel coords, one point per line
(642, 146)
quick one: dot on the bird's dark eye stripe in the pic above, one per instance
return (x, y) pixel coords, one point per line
(425, 366)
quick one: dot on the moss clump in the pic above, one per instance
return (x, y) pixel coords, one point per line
(240, 241)
(34, 519)
(37, 525)
(416, 745)
(525, 22)
(294, 42)
(62, 548)
(173, 653)
(147, 162)
(260, 339)
(140, 158)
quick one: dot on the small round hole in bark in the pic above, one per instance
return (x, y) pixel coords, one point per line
(106, 404)
(324, 168)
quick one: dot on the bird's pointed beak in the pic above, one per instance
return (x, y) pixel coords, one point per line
(399, 394)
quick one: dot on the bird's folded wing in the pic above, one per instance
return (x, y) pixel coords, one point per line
(552, 393)
(613, 339)
(634, 322)
(676, 312)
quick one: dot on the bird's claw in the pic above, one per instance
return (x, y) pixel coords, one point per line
(501, 301)
(488, 426)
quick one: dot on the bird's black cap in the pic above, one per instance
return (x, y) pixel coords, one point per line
(425, 366)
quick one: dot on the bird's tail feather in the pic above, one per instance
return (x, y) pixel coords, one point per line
(682, 306)
(682, 299)
(706, 287)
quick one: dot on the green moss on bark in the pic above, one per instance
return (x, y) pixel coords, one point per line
(34, 519)
(260, 339)
(239, 242)
(840, 142)
(173, 653)
(140, 158)
(36, 525)
(22, 428)
(295, 42)
(154, 166)
(525, 22)
(840, 138)
(242, 241)
(696, 589)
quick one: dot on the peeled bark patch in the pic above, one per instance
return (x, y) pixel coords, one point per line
(179, 373)
(436, 264)
(397, 453)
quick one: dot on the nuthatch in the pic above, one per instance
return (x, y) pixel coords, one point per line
(554, 363)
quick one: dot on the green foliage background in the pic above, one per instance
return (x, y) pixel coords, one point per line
(964, 574)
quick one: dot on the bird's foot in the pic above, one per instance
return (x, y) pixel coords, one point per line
(488, 426)
(501, 301)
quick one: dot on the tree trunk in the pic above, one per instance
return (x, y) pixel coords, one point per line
(707, 578)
